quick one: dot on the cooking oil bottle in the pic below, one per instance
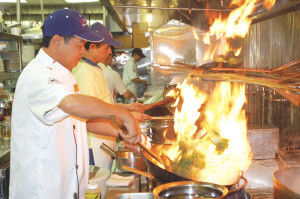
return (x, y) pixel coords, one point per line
(93, 191)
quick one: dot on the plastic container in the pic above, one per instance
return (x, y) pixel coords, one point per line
(16, 31)
(93, 192)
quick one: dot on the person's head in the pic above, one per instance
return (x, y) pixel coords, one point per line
(111, 57)
(65, 32)
(103, 52)
(137, 54)
(97, 52)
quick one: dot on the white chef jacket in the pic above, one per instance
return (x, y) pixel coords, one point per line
(130, 73)
(92, 82)
(47, 144)
(114, 82)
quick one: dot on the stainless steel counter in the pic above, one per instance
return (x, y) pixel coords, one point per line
(114, 192)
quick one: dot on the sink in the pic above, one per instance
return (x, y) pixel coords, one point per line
(136, 196)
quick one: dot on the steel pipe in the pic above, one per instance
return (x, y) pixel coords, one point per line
(165, 8)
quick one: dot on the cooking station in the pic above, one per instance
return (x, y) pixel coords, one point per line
(141, 190)
(221, 84)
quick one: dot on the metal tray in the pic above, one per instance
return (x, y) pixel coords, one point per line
(136, 196)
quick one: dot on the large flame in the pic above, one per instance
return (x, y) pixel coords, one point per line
(211, 131)
(224, 29)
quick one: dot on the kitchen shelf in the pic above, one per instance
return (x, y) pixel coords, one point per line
(6, 36)
(6, 75)
(13, 56)
(9, 51)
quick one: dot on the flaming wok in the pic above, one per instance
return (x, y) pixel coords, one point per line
(163, 173)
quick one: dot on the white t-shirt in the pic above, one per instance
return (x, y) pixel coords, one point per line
(91, 81)
(130, 73)
(47, 144)
(114, 82)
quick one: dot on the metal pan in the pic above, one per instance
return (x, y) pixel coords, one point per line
(163, 175)
(127, 158)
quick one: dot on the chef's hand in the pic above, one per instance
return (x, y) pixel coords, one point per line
(133, 134)
(136, 106)
(141, 117)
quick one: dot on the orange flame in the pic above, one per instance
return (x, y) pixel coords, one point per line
(236, 24)
(195, 34)
(211, 131)
(269, 3)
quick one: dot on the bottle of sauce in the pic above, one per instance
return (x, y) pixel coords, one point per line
(93, 191)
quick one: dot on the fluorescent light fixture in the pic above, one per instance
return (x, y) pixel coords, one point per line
(12, 1)
(149, 17)
(80, 1)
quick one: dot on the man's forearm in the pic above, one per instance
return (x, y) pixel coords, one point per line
(103, 127)
(88, 107)
(139, 80)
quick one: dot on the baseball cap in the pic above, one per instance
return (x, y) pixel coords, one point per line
(139, 52)
(68, 22)
(99, 29)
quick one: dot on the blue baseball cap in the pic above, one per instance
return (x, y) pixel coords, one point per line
(67, 22)
(99, 29)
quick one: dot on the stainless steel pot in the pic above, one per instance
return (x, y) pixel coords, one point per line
(127, 158)
(287, 183)
(189, 190)
(162, 130)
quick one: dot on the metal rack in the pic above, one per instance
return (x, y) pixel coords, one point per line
(9, 37)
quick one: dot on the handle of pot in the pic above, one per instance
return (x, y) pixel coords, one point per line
(159, 103)
(145, 148)
(109, 150)
(148, 175)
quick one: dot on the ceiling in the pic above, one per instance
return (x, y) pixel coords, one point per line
(133, 13)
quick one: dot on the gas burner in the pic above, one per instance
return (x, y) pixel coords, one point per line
(237, 191)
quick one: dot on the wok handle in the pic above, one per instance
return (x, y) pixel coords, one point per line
(109, 150)
(154, 155)
(144, 147)
(159, 103)
(148, 175)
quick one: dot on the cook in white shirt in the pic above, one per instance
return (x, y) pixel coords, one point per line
(49, 154)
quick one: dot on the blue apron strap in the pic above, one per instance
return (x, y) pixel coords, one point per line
(92, 161)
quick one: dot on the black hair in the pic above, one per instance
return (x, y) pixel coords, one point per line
(88, 44)
(47, 39)
(113, 52)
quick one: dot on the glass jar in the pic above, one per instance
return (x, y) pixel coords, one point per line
(5, 133)
(93, 191)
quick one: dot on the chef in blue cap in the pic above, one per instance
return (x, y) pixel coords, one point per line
(50, 119)
(91, 81)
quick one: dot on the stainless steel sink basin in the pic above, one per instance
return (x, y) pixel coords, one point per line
(136, 196)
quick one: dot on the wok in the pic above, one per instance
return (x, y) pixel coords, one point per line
(165, 176)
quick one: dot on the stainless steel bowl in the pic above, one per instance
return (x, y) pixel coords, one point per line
(127, 158)
(189, 190)
(132, 160)
(162, 131)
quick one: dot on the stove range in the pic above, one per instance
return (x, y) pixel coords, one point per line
(236, 191)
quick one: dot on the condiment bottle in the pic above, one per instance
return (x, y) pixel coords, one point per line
(93, 191)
